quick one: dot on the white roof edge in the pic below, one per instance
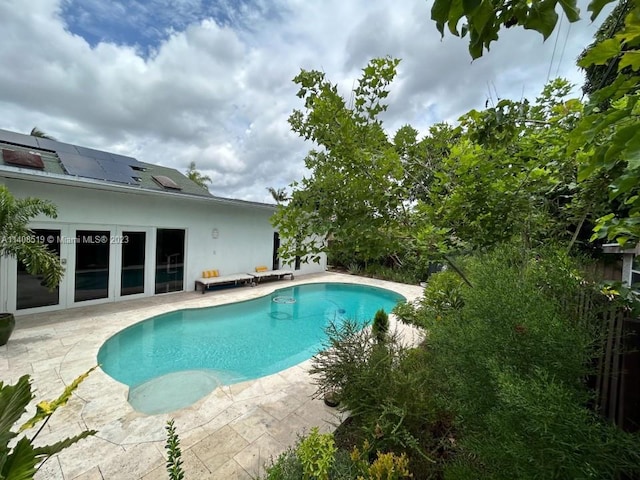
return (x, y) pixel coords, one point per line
(54, 178)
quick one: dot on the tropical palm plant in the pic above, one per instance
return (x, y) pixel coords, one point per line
(195, 176)
(36, 132)
(18, 241)
(279, 195)
(21, 459)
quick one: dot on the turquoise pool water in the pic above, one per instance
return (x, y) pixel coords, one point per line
(235, 342)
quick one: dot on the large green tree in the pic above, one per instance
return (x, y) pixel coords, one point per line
(606, 142)
(421, 158)
(508, 174)
(353, 201)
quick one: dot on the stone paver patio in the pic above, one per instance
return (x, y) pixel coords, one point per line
(229, 434)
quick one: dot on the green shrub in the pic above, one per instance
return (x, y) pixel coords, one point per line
(409, 313)
(510, 365)
(286, 467)
(174, 454)
(315, 453)
(386, 466)
(383, 386)
(354, 268)
(380, 325)
(404, 274)
(443, 294)
(343, 467)
(498, 389)
(540, 428)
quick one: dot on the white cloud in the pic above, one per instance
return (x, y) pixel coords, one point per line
(220, 95)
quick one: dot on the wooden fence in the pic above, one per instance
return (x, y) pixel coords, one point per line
(616, 379)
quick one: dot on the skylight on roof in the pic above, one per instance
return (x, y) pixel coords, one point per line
(166, 182)
(22, 159)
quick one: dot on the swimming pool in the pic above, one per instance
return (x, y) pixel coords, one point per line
(231, 343)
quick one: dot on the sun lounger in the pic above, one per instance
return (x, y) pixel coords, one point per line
(262, 273)
(212, 278)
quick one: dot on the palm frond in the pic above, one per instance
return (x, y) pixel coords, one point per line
(36, 132)
(13, 402)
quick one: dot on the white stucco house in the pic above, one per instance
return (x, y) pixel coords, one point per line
(126, 228)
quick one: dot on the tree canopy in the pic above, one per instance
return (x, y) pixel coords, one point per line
(607, 142)
(549, 169)
(352, 202)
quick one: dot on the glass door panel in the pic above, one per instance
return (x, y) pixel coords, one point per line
(169, 260)
(133, 261)
(92, 265)
(31, 291)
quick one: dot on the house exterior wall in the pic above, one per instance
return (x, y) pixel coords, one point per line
(231, 237)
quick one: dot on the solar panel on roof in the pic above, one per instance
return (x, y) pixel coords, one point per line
(166, 182)
(81, 166)
(90, 152)
(54, 145)
(22, 159)
(79, 161)
(128, 160)
(18, 138)
(117, 172)
(66, 147)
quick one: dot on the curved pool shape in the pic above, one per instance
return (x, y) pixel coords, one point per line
(172, 360)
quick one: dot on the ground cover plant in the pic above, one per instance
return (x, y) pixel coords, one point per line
(305, 462)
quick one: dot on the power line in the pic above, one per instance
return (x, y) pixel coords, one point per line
(564, 46)
(553, 54)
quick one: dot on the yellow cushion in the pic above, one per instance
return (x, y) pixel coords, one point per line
(261, 268)
(210, 274)
(205, 274)
(214, 273)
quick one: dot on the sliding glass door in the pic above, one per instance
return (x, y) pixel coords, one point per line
(31, 291)
(169, 260)
(92, 264)
(133, 262)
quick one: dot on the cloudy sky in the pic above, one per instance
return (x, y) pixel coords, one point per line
(174, 81)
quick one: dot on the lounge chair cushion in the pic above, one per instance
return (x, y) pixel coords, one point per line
(261, 268)
(210, 274)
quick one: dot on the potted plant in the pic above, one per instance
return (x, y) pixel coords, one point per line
(17, 241)
(332, 398)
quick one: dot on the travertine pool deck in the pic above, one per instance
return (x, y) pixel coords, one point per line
(229, 434)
